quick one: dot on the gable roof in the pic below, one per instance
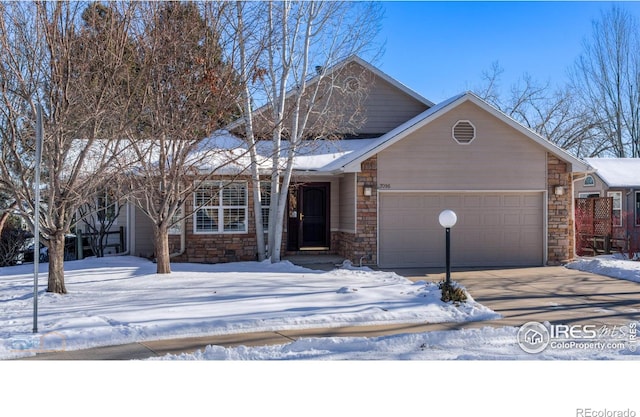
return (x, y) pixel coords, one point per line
(617, 172)
(352, 59)
(351, 162)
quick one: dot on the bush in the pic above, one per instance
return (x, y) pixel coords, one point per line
(12, 241)
(452, 293)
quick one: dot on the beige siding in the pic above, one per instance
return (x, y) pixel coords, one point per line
(599, 187)
(347, 203)
(334, 204)
(499, 158)
(142, 234)
(386, 108)
(493, 229)
(374, 108)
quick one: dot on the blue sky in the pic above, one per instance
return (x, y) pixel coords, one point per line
(440, 49)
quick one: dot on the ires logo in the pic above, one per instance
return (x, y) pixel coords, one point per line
(534, 337)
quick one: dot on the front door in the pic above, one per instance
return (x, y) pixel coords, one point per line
(309, 217)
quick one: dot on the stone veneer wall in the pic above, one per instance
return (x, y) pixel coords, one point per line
(560, 237)
(364, 243)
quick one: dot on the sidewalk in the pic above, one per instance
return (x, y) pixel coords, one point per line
(553, 294)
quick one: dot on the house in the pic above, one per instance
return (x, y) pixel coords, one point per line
(375, 195)
(619, 179)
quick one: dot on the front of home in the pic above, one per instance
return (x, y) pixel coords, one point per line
(375, 198)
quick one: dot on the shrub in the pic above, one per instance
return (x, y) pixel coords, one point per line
(452, 293)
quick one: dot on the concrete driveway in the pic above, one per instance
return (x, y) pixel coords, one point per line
(554, 294)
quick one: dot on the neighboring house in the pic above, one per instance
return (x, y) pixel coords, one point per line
(618, 178)
(376, 196)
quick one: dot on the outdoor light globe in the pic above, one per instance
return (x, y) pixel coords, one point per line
(448, 218)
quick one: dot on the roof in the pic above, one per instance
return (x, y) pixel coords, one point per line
(617, 172)
(352, 161)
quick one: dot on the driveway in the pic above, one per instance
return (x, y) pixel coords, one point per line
(555, 294)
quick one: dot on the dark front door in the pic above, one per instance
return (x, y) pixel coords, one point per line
(309, 222)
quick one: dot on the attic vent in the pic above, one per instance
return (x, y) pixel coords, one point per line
(464, 132)
(352, 84)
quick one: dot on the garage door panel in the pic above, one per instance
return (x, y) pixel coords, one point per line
(493, 229)
(513, 219)
(491, 220)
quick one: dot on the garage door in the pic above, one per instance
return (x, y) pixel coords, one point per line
(493, 229)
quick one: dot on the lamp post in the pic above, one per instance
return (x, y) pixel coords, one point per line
(448, 219)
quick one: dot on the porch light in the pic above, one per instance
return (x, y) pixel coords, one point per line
(368, 190)
(559, 190)
(448, 219)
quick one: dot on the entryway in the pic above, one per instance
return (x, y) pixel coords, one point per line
(308, 217)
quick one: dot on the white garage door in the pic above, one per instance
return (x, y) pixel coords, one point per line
(493, 229)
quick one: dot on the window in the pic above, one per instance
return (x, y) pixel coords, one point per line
(464, 132)
(265, 201)
(107, 207)
(617, 207)
(221, 208)
(589, 181)
(588, 195)
(178, 223)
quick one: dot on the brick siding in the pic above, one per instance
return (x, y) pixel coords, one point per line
(363, 244)
(560, 237)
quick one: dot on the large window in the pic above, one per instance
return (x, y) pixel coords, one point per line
(107, 208)
(221, 208)
(617, 207)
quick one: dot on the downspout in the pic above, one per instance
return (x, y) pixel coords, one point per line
(183, 242)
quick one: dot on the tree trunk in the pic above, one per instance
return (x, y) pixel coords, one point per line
(3, 220)
(161, 237)
(56, 264)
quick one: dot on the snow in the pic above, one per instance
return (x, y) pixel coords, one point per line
(117, 300)
(487, 343)
(617, 172)
(614, 266)
(226, 153)
(121, 299)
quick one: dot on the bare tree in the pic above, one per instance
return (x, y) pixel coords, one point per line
(56, 56)
(98, 215)
(554, 114)
(249, 45)
(295, 81)
(605, 79)
(190, 92)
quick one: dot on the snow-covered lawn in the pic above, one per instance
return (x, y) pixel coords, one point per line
(116, 300)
